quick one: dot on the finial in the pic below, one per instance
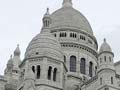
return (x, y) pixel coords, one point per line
(17, 51)
(47, 11)
(17, 45)
(67, 3)
(104, 39)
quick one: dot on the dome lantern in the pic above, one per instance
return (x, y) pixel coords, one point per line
(17, 51)
(46, 19)
(67, 3)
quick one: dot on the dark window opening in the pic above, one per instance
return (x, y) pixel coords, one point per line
(90, 69)
(38, 71)
(111, 80)
(105, 58)
(70, 34)
(83, 66)
(37, 53)
(100, 81)
(75, 35)
(73, 64)
(33, 69)
(49, 72)
(55, 35)
(63, 34)
(54, 74)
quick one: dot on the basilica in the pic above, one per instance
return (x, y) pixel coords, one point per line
(63, 56)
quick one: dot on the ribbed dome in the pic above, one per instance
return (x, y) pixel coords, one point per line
(105, 47)
(44, 44)
(69, 17)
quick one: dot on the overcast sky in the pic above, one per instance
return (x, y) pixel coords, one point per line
(21, 20)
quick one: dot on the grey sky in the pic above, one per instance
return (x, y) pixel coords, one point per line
(21, 20)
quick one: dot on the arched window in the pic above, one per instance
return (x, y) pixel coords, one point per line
(33, 69)
(60, 35)
(91, 69)
(83, 66)
(38, 71)
(75, 35)
(54, 74)
(49, 72)
(65, 34)
(105, 58)
(110, 59)
(100, 81)
(73, 64)
(111, 80)
(55, 35)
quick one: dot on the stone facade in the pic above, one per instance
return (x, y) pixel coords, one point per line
(64, 56)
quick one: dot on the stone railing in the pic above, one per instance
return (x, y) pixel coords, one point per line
(91, 80)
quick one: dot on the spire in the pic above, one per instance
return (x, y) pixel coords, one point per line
(67, 3)
(17, 51)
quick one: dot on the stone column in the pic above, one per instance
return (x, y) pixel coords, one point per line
(44, 69)
(87, 67)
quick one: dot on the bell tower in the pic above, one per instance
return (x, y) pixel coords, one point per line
(106, 70)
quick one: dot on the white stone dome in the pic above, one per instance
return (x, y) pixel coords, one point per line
(105, 47)
(44, 44)
(69, 17)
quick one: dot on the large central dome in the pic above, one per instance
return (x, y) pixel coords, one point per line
(67, 16)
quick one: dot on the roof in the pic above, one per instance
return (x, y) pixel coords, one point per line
(105, 47)
(44, 44)
(70, 17)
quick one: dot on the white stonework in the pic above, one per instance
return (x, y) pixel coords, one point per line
(64, 56)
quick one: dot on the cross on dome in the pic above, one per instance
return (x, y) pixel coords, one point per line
(67, 3)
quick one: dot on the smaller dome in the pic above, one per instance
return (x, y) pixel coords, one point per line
(105, 47)
(10, 62)
(44, 44)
